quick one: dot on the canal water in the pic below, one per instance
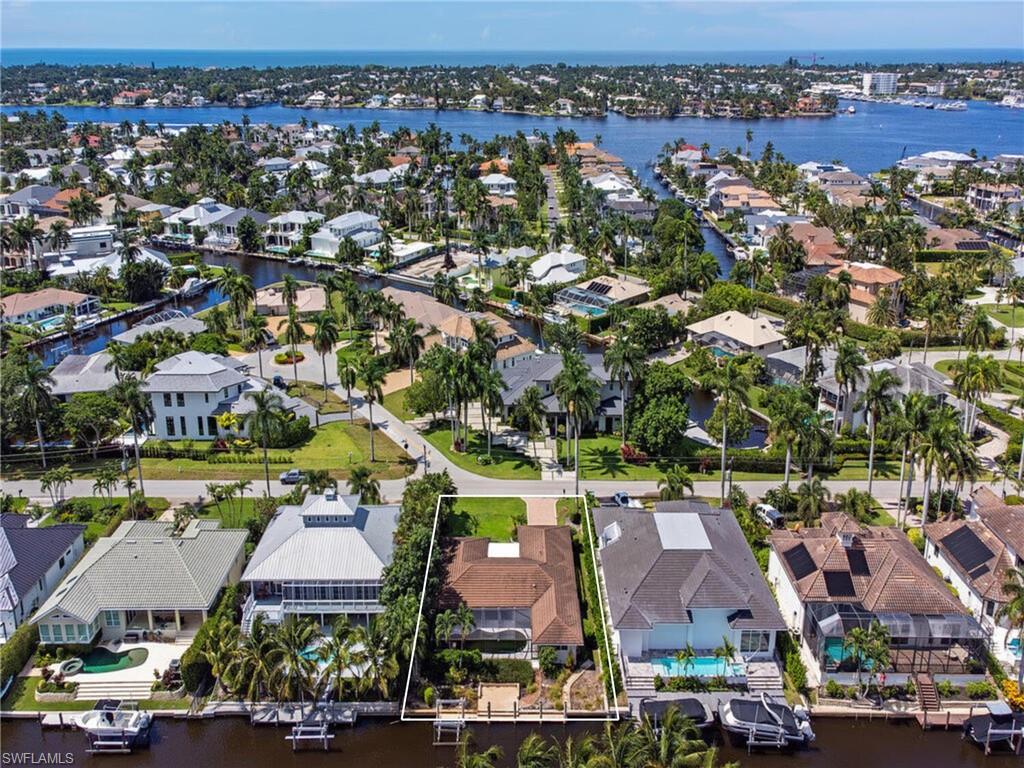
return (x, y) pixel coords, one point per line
(875, 137)
(233, 743)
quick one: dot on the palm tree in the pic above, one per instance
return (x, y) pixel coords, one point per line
(296, 666)
(490, 385)
(857, 643)
(36, 383)
(882, 313)
(856, 504)
(726, 652)
(675, 483)
(933, 448)
(407, 343)
(671, 741)
(625, 361)
(731, 385)
(338, 656)
(362, 483)
(373, 375)
(812, 496)
(685, 658)
(24, 235)
(58, 237)
(347, 377)
(128, 394)
(848, 371)
(876, 401)
(255, 337)
(789, 412)
(220, 649)
(535, 752)
(294, 334)
(376, 657)
(467, 757)
(252, 668)
(265, 422)
(578, 392)
(1012, 611)
(325, 336)
(529, 412)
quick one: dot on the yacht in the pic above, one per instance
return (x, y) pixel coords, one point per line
(998, 725)
(125, 723)
(766, 721)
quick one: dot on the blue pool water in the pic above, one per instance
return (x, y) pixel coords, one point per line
(702, 666)
(592, 311)
(50, 323)
(1014, 646)
(719, 352)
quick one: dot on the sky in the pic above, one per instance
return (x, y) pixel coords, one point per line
(532, 25)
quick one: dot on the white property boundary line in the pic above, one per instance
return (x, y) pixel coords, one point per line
(610, 706)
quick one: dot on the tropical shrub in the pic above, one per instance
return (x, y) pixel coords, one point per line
(18, 649)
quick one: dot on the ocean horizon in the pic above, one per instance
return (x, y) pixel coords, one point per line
(179, 57)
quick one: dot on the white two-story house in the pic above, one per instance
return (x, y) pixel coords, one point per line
(363, 228)
(191, 390)
(323, 558)
(285, 230)
(510, 349)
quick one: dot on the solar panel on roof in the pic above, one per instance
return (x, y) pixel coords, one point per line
(978, 572)
(858, 562)
(839, 584)
(599, 288)
(968, 550)
(800, 562)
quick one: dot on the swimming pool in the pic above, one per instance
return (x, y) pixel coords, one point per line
(592, 311)
(50, 324)
(1014, 646)
(719, 352)
(701, 666)
(102, 660)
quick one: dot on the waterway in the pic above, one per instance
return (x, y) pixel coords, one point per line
(233, 743)
(873, 138)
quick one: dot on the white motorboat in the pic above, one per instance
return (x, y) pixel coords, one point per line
(851, 110)
(766, 721)
(126, 723)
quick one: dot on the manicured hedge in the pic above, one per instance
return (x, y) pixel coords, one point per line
(506, 671)
(938, 254)
(194, 668)
(18, 649)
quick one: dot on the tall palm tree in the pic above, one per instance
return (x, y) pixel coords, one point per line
(128, 394)
(255, 337)
(253, 667)
(296, 666)
(848, 371)
(380, 665)
(673, 740)
(1012, 611)
(407, 343)
(535, 752)
(529, 412)
(294, 334)
(905, 420)
(491, 384)
(58, 237)
(467, 757)
(731, 385)
(876, 401)
(265, 422)
(325, 336)
(35, 385)
(362, 483)
(220, 650)
(789, 412)
(372, 373)
(577, 391)
(338, 656)
(625, 361)
(933, 449)
(347, 377)
(24, 235)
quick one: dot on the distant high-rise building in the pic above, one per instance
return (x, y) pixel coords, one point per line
(878, 83)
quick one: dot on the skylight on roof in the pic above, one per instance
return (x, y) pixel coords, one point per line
(681, 530)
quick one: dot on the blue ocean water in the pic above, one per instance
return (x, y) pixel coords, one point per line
(288, 58)
(873, 138)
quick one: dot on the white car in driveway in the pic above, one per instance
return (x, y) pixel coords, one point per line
(624, 500)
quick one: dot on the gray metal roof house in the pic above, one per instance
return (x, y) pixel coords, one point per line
(323, 558)
(144, 579)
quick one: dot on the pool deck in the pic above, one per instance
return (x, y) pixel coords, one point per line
(160, 656)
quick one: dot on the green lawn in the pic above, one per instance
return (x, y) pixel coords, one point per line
(505, 465)
(21, 698)
(1013, 373)
(101, 513)
(336, 447)
(1004, 314)
(232, 514)
(313, 393)
(495, 518)
(394, 402)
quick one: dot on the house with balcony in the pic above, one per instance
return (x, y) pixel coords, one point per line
(974, 555)
(839, 403)
(541, 369)
(203, 215)
(510, 349)
(285, 230)
(322, 558)
(843, 575)
(33, 560)
(143, 581)
(682, 576)
(989, 198)
(499, 184)
(362, 228)
(523, 590)
(190, 391)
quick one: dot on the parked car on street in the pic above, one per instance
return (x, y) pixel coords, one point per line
(292, 476)
(624, 500)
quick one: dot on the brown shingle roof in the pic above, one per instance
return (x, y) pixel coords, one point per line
(542, 579)
(896, 578)
(989, 583)
(1004, 521)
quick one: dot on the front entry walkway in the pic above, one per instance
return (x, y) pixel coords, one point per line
(542, 511)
